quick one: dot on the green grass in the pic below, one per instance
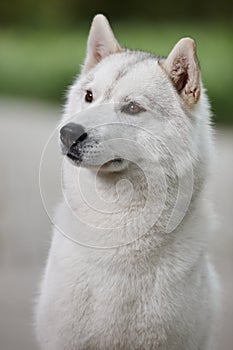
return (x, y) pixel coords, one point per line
(41, 64)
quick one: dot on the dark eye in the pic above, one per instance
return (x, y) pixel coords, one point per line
(132, 108)
(89, 96)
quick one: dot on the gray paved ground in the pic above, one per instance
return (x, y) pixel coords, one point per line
(25, 227)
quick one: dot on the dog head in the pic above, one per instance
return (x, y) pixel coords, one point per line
(134, 116)
(133, 107)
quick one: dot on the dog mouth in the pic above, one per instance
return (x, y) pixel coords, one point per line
(77, 160)
(74, 158)
(81, 159)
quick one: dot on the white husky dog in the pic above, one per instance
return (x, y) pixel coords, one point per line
(128, 266)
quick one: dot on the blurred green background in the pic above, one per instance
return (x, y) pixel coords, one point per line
(42, 43)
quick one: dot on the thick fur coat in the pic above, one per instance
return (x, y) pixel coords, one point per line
(128, 265)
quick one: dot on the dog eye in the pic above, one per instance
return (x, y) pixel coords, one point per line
(89, 96)
(132, 108)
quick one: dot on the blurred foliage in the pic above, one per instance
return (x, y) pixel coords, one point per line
(42, 42)
(68, 12)
(41, 64)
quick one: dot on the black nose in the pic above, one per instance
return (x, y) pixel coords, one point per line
(71, 133)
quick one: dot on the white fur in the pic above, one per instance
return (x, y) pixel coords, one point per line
(159, 291)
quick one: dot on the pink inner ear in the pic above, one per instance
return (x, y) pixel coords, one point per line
(101, 42)
(97, 56)
(98, 52)
(180, 73)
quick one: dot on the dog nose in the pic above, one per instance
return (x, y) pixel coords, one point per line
(71, 133)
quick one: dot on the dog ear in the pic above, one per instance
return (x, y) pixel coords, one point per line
(182, 67)
(101, 42)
